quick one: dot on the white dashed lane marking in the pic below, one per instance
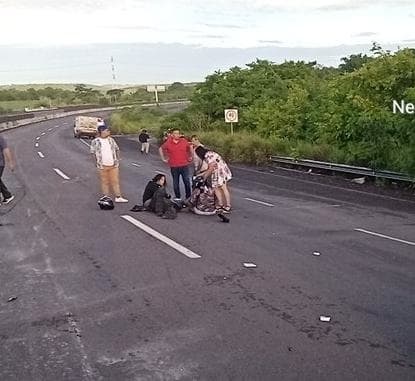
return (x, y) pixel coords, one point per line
(154, 233)
(84, 142)
(41, 155)
(385, 236)
(61, 174)
(259, 202)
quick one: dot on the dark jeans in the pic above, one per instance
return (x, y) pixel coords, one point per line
(176, 172)
(3, 189)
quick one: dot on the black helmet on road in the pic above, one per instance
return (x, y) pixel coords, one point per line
(106, 203)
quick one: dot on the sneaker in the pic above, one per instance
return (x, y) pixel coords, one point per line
(138, 208)
(226, 209)
(120, 199)
(7, 200)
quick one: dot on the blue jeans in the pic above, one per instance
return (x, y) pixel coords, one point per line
(184, 172)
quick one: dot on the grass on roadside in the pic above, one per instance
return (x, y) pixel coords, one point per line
(133, 120)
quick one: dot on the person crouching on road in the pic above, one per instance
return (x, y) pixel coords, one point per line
(219, 174)
(106, 153)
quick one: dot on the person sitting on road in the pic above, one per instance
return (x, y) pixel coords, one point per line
(202, 200)
(156, 199)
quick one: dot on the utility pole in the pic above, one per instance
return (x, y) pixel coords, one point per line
(113, 71)
(113, 77)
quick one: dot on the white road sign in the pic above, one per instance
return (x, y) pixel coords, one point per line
(152, 88)
(231, 115)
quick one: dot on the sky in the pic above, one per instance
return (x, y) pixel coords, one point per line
(223, 27)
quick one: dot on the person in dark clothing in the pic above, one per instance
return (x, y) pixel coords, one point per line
(6, 158)
(152, 186)
(156, 199)
(143, 138)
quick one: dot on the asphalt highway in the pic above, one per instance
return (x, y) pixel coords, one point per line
(90, 295)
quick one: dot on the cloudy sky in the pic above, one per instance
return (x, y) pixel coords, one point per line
(205, 24)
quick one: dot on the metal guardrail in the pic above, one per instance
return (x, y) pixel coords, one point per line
(363, 171)
(18, 123)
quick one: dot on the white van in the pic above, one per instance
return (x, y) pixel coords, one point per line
(86, 126)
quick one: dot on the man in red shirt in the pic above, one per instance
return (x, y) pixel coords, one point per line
(179, 155)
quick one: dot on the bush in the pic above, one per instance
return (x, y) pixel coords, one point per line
(242, 147)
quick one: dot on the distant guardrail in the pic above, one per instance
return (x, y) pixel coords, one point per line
(26, 121)
(362, 171)
(23, 122)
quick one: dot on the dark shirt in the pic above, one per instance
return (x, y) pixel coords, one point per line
(143, 137)
(3, 145)
(151, 188)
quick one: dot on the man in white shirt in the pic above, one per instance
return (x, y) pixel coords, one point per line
(106, 153)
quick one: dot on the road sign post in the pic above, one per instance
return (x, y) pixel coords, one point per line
(231, 116)
(155, 89)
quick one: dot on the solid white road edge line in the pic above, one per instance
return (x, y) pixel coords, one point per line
(61, 174)
(385, 236)
(174, 245)
(258, 202)
(41, 154)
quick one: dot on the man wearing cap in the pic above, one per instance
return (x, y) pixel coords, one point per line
(106, 153)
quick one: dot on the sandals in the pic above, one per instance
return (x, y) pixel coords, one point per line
(223, 209)
(226, 209)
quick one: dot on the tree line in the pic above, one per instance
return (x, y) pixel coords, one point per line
(83, 94)
(341, 114)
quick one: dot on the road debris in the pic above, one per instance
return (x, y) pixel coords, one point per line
(325, 318)
(12, 299)
(249, 265)
(359, 180)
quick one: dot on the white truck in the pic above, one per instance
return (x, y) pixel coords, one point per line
(86, 126)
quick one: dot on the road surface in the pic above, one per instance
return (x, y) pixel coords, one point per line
(95, 297)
